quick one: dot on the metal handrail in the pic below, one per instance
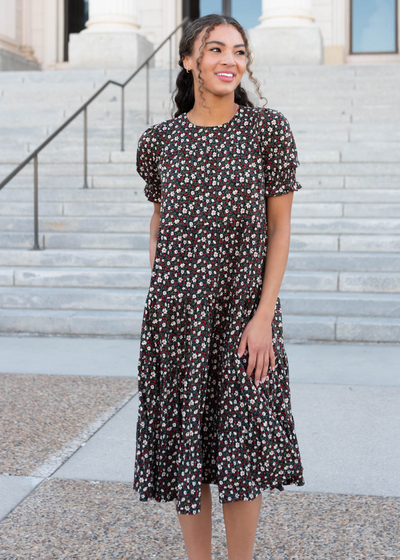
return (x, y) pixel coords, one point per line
(34, 154)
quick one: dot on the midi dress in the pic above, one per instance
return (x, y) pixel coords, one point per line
(201, 419)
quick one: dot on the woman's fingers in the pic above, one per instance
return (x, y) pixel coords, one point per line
(262, 367)
(259, 360)
(242, 344)
(272, 357)
(252, 363)
(264, 375)
(264, 361)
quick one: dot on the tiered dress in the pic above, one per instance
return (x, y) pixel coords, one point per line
(201, 419)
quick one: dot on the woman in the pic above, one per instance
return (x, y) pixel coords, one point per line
(213, 372)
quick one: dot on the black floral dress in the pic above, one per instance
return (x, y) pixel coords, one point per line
(201, 419)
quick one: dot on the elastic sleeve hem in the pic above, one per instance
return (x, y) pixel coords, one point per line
(147, 161)
(279, 153)
(152, 192)
(290, 184)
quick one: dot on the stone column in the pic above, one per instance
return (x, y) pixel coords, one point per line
(287, 34)
(26, 34)
(111, 39)
(112, 15)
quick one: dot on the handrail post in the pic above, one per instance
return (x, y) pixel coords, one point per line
(36, 204)
(123, 119)
(147, 93)
(85, 164)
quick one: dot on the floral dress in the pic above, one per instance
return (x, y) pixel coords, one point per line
(201, 419)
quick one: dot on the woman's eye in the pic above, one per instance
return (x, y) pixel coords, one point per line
(212, 49)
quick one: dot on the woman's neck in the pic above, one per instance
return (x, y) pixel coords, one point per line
(202, 116)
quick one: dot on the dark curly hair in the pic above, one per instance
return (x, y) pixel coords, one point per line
(183, 95)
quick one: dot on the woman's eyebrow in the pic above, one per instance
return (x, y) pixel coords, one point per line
(223, 44)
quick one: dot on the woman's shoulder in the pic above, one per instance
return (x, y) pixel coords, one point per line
(150, 134)
(267, 116)
(156, 133)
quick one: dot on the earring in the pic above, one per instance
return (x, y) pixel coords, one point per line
(188, 71)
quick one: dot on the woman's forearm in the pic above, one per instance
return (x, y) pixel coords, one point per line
(154, 227)
(275, 266)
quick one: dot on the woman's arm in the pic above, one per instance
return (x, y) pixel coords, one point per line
(154, 227)
(258, 332)
(279, 210)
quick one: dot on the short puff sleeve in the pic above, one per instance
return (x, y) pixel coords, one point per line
(147, 161)
(279, 153)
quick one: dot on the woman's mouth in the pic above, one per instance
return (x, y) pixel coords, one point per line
(225, 76)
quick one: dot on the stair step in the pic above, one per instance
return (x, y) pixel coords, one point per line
(340, 304)
(75, 182)
(140, 223)
(343, 262)
(52, 277)
(112, 299)
(137, 277)
(346, 225)
(143, 208)
(71, 156)
(57, 169)
(61, 277)
(368, 329)
(369, 243)
(348, 169)
(79, 224)
(71, 323)
(96, 240)
(78, 209)
(347, 196)
(116, 259)
(341, 329)
(387, 282)
(74, 194)
(323, 182)
(81, 299)
(311, 184)
(128, 324)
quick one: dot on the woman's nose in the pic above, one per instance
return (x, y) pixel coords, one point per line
(228, 59)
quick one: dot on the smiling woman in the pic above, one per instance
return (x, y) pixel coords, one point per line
(213, 371)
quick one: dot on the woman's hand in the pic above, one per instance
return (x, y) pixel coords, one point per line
(258, 337)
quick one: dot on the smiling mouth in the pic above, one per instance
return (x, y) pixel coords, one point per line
(225, 74)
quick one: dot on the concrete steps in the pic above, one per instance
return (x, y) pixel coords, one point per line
(139, 277)
(128, 324)
(298, 260)
(343, 275)
(138, 222)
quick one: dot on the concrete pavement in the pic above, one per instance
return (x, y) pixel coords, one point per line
(345, 401)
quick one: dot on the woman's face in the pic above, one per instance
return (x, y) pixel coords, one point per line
(225, 52)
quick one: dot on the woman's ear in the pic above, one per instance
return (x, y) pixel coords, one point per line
(186, 63)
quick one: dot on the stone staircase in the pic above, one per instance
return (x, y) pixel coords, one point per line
(343, 277)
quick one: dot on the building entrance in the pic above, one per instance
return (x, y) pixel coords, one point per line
(76, 14)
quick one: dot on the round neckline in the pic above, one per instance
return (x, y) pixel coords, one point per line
(215, 126)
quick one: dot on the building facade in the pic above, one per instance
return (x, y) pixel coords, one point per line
(56, 34)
